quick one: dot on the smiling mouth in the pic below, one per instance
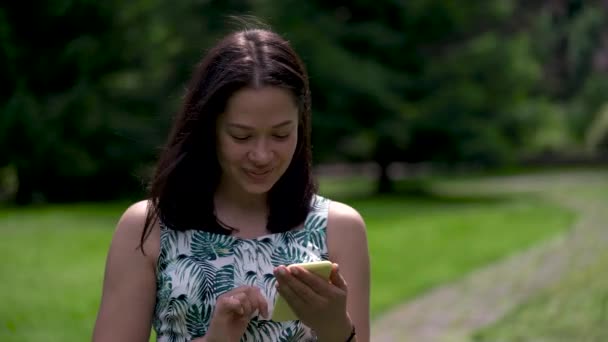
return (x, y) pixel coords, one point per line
(258, 172)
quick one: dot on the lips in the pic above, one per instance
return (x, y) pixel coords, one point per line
(257, 175)
(259, 172)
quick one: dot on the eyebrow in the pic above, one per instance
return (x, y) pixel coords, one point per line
(279, 125)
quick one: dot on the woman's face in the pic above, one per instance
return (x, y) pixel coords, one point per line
(257, 137)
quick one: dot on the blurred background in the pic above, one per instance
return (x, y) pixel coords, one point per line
(465, 133)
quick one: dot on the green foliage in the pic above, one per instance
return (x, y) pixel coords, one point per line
(415, 81)
(569, 41)
(550, 130)
(63, 127)
(85, 123)
(87, 92)
(597, 136)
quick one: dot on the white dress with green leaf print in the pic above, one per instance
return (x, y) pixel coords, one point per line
(195, 267)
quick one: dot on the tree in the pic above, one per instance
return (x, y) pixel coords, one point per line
(415, 80)
(59, 125)
(89, 89)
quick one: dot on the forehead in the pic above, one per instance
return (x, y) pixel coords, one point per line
(260, 107)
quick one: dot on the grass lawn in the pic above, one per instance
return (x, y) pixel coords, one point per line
(420, 242)
(415, 246)
(53, 257)
(51, 270)
(575, 309)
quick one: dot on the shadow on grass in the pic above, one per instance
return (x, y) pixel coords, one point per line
(415, 190)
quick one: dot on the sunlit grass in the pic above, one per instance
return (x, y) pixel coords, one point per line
(417, 244)
(575, 309)
(51, 272)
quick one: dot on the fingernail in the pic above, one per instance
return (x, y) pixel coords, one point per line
(295, 271)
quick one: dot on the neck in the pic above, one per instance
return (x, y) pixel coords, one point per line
(235, 201)
(245, 214)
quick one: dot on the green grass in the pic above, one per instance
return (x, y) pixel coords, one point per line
(53, 257)
(51, 270)
(575, 309)
(428, 237)
(415, 245)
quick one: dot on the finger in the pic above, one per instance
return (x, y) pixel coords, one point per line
(230, 304)
(336, 278)
(246, 303)
(296, 287)
(262, 303)
(290, 297)
(315, 282)
(282, 274)
(253, 294)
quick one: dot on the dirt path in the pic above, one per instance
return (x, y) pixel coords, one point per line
(452, 312)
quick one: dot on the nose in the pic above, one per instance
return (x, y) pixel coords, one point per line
(261, 153)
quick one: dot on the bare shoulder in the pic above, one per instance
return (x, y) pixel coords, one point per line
(346, 231)
(132, 220)
(134, 216)
(130, 228)
(343, 218)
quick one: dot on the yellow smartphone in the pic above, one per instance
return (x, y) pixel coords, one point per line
(282, 311)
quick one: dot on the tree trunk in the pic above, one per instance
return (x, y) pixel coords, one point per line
(25, 187)
(385, 183)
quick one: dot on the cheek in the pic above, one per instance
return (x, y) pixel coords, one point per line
(289, 148)
(229, 152)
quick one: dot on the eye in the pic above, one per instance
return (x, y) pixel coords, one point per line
(281, 136)
(240, 138)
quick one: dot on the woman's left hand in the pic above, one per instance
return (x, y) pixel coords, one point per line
(319, 304)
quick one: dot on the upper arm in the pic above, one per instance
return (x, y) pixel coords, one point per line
(348, 247)
(129, 286)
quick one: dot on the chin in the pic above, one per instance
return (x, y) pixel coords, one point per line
(257, 189)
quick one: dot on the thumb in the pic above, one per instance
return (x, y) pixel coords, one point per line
(336, 278)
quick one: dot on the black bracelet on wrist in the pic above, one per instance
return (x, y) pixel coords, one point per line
(352, 334)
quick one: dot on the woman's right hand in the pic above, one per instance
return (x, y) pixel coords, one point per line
(233, 311)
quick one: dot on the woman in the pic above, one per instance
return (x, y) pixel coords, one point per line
(232, 202)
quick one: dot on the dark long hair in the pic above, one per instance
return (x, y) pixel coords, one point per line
(187, 174)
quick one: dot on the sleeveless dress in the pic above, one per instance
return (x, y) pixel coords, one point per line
(195, 267)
